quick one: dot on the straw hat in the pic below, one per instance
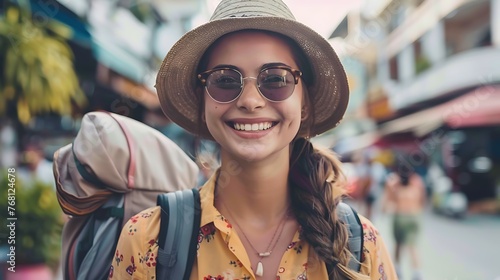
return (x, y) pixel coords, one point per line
(177, 83)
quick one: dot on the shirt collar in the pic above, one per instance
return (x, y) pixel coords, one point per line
(209, 213)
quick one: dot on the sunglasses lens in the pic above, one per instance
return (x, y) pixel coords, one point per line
(276, 84)
(224, 85)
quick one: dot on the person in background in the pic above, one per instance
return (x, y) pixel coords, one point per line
(34, 166)
(260, 84)
(405, 198)
(378, 176)
(360, 196)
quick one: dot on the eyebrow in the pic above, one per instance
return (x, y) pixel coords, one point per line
(273, 64)
(267, 65)
(221, 66)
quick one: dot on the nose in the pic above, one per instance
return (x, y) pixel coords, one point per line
(250, 98)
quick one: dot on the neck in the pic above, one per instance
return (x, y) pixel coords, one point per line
(255, 192)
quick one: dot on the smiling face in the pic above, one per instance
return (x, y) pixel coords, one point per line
(251, 127)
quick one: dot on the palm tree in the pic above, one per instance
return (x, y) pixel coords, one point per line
(36, 69)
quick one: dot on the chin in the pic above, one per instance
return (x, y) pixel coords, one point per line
(252, 153)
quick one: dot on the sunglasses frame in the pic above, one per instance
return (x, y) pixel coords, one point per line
(204, 75)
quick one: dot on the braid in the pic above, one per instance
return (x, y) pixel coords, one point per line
(316, 184)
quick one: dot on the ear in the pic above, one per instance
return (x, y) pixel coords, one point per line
(305, 111)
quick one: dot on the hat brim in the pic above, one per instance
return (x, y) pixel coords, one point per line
(177, 84)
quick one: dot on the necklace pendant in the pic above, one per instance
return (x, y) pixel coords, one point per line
(265, 254)
(260, 269)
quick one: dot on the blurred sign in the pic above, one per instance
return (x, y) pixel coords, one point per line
(380, 109)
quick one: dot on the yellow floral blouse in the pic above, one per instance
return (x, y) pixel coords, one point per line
(221, 255)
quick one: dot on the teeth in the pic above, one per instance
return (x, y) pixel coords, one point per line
(253, 127)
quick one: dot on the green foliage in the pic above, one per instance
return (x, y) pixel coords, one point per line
(421, 64)
(38, 225)
(38, 73)
(142, 10)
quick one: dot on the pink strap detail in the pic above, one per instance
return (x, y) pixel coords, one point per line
(131, 146)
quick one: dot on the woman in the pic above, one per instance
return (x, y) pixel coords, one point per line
(259, 84)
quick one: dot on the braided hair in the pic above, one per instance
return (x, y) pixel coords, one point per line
(317, 187)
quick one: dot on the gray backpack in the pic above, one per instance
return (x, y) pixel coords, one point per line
(115, 168)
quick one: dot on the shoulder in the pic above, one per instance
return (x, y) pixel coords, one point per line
(145, 220)
(141, 230)
(137, 246)
(376, 260)
(370, 232)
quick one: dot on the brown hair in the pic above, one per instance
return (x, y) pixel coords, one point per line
(317, 186)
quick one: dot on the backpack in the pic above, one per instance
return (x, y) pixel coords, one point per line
(179, 227)
(115, 168)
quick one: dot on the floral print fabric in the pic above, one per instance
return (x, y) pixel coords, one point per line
(221, 255)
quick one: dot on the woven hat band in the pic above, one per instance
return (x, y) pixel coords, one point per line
(246, 8)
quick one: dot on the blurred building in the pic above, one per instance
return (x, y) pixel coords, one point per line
(118, 46)
(432, 85)
(129, 39)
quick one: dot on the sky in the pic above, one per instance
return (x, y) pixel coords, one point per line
(321, 15)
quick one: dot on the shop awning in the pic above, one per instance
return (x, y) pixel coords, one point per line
(64, 21)
(480, 107)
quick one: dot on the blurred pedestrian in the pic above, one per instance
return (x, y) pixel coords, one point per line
(362, 182)
(405, 198)
(378, 176)
(34, 166)
(369, 181)
(260, 84)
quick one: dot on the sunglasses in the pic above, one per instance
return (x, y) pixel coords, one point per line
(274, 83)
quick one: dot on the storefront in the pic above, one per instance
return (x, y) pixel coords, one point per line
(462, 136)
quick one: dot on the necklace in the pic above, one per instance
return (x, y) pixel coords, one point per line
(270, 247)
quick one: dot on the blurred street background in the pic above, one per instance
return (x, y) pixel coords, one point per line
(424, 81)
(451, 249)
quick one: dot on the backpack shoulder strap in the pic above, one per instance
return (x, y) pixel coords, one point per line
(347, 214)
(178, 236)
